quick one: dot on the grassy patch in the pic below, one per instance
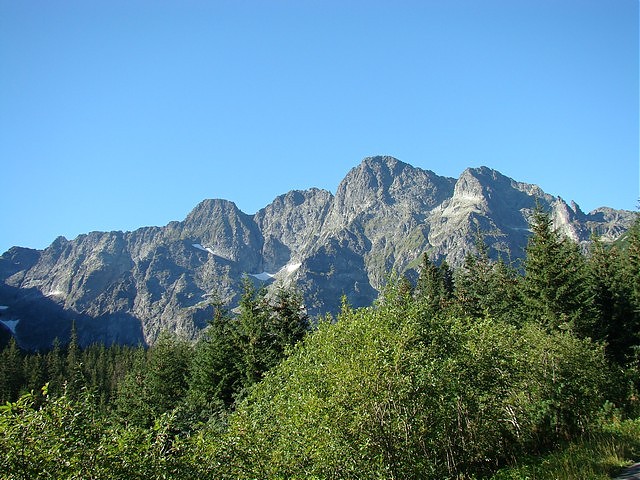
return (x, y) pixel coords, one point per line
(602, 455)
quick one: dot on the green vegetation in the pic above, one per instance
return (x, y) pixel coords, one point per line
(598, 456)
(482, 372)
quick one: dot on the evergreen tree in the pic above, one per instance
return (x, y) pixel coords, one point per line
(167, 373)
(215, 376)
(555, 289)
(56, 373)
(288, 322)
(251, 334)
(96, 372)
(616, 322)
(485, 287)
(131, 400)
(434, 286)
(265, 328)
(11, 373)
(447, 279)
(632, 270)
(73, 367)
(34, 369)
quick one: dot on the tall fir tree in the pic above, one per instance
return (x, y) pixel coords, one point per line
(11, 373)
(131, 399)
(56, 369)
(616, 323)
(265, 328)
(167, 373)
(632, 270)
(486, 287)
(73, 367)
(434, 287)
(555, 290)
(34, 369)
(215, 375)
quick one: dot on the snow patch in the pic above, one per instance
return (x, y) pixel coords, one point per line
(286, 270)
(10, 324)
(3, 307)
(292, 267)
(262, 276)
(55, 293)
(200, 247)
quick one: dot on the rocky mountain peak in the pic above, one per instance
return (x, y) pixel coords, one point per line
(291, 223)
(221, 227)
(370, 182)
(127, 287)
(470, 187)
(385, 183)
(207, 213)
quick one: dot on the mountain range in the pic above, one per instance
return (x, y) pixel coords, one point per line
(127, 287)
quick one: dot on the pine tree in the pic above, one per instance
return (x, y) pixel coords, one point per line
(632, 271)
(434, 287)
(616, 322)
(215, 375)
(265, 328)
(73, 368)
(555, 289)
(34, 369)
(11, 373)
(56, 373)
(487, 287)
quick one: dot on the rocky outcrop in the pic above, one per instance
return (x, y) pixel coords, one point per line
(126, 287)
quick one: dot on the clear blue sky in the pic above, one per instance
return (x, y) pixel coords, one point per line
(121, 114)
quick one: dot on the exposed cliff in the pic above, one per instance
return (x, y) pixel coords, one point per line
(128, 286)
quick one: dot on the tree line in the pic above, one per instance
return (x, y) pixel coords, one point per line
(455, 375)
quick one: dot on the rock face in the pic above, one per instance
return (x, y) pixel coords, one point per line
(126, 287)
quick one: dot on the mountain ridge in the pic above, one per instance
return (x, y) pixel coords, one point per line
(384, 215)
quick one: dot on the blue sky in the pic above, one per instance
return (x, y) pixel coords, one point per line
(121, 114)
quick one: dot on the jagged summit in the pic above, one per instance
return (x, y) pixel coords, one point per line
(127, 287)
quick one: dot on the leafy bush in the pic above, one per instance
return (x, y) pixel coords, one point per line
(388, 393)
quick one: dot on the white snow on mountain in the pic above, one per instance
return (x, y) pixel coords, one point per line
(204, 249)
(292, 267)
(264, 276)
(284, 271)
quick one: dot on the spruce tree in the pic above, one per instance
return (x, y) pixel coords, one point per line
(215, 375)
(73, 368)
(429, 287)
(56, 372)
(555, 289)
(487, 287)
(266, 326)
(11, 373)
(167, 373)
(632, 270)
(616, 323)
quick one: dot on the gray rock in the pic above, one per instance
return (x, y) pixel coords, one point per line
(126, 287)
